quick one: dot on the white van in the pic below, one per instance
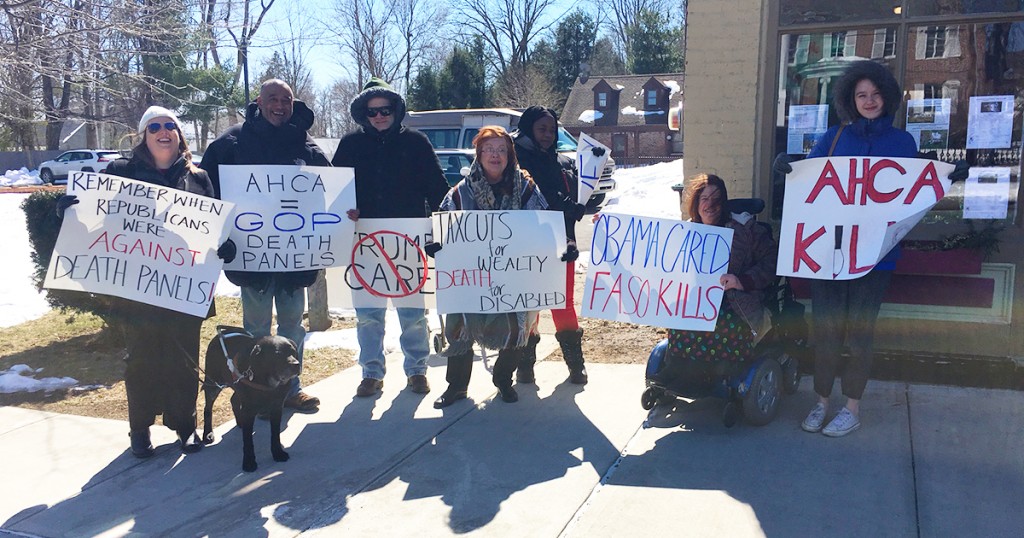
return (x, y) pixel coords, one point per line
(455, 129)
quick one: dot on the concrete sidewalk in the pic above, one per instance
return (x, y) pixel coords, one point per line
(564, 461)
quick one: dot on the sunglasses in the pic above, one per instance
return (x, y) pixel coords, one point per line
(372, 112)
(154, 128)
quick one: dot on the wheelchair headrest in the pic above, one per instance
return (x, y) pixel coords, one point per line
(745, 205)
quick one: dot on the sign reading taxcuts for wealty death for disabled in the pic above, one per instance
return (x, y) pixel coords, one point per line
(289, 218)
(499, 261)
(658, 272)
(844, 214)
(139, 241)
(385, 265)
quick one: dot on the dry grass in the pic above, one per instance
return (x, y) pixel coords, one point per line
(73, 344)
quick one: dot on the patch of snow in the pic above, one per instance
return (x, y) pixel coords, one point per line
(20, 301)
(673, 86)
(620, 87)
(632, 111)
(590, 116)
(19, 378)
(20, 178)
(647, 190)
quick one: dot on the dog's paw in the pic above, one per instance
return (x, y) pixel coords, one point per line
(208, 438)
(249, 465)
(280, 455)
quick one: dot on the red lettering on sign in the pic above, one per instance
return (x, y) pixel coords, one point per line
(854, 235)
(800, 249)
(828, 178)
(928, 178)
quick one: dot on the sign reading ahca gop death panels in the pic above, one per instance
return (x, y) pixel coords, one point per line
(289, 218)
(139, 241)
(844, 214)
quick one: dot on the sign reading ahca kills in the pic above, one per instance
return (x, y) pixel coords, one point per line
(844, 214)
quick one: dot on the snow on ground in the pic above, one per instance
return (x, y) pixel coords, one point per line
(640, 191)
(20, 178)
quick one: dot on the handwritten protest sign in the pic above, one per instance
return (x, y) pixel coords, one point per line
(386, 264)
(139, 241)
(844, 214)
(589, 166)
(499, 261)
(289, 218)
(658, 272)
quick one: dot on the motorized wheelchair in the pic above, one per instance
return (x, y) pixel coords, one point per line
(754, 389)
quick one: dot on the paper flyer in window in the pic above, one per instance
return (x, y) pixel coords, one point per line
(990, 122)
(928, 123)
(987, 193)
(807, 123)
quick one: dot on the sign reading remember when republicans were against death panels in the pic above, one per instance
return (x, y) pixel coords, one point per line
(139, 241)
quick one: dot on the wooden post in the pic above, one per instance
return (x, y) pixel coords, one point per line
(319, 317)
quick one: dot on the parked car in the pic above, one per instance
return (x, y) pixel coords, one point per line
(84, 160)
(453, 131)
(453, 161)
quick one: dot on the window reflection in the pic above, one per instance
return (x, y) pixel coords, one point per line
(822, 11)
(958, 7)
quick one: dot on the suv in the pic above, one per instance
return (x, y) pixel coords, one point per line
(451, 133)
(85, 160)
(453, 161)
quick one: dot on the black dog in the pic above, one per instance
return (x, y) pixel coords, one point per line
(259, 371)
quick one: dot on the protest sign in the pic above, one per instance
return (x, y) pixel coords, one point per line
(139, 241)
(499, 261)
(289, 218)
(658, 272)
(842, 215)
(589, 166)
(386, 264)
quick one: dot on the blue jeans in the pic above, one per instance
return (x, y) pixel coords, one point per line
(257, 316)
(415, 340)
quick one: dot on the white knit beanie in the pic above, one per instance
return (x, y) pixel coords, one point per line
(157, 112)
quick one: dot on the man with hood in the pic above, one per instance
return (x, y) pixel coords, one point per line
(397, 176)
(274, 132)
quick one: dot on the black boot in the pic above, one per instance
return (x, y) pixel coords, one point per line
(572, 350)
(501, 376)
(141, 446)
(524, 373)
(189, 442)
(460, 368)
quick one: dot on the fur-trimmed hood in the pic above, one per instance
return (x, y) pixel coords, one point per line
(879, 75)
(376, 87)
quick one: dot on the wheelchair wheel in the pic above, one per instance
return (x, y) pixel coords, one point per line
(761, 403)
(790, 374)
(438, 342)
(650, 398)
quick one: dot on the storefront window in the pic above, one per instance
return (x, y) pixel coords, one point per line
(963, 90)
(826, 11)
(962, 7)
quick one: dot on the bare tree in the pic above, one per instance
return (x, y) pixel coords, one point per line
(507, 28)
(524, 85)
(623, 15)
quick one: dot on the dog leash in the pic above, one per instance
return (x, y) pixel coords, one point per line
(245, 377)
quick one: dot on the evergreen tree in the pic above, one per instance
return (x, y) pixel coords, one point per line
(425, 93)
(604, 60)
(462, 82)
(655, 46)
(574, 44)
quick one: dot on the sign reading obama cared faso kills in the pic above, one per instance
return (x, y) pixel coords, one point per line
(386, 265)
(140, 241)
(289, 218)
(658, 272)
(842, 215)
(499, 261)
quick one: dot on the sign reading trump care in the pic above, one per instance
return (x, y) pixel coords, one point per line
(499, 261)
(844, 214)
(386, 264)
(289, 218)
(139, 241)
(658, 272)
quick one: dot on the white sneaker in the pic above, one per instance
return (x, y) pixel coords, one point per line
(843, 423)
(814, 419)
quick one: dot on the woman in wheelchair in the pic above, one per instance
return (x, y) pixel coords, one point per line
(695, 360)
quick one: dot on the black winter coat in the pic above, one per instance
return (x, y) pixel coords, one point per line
(397, 172)
(556, 176)
(256, 141)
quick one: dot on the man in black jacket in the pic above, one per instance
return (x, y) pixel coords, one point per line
(274, 132)
(397, 176)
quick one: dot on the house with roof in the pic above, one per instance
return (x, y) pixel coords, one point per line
(637, 116)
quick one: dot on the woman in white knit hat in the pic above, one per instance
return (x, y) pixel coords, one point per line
(161, 376)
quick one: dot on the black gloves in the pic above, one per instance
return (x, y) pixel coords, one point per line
(431, 248)
(960, 172)
(64, 202)
(227, 251)
(597, 151)
(781, 164)
(574, 210)
(571, 252)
